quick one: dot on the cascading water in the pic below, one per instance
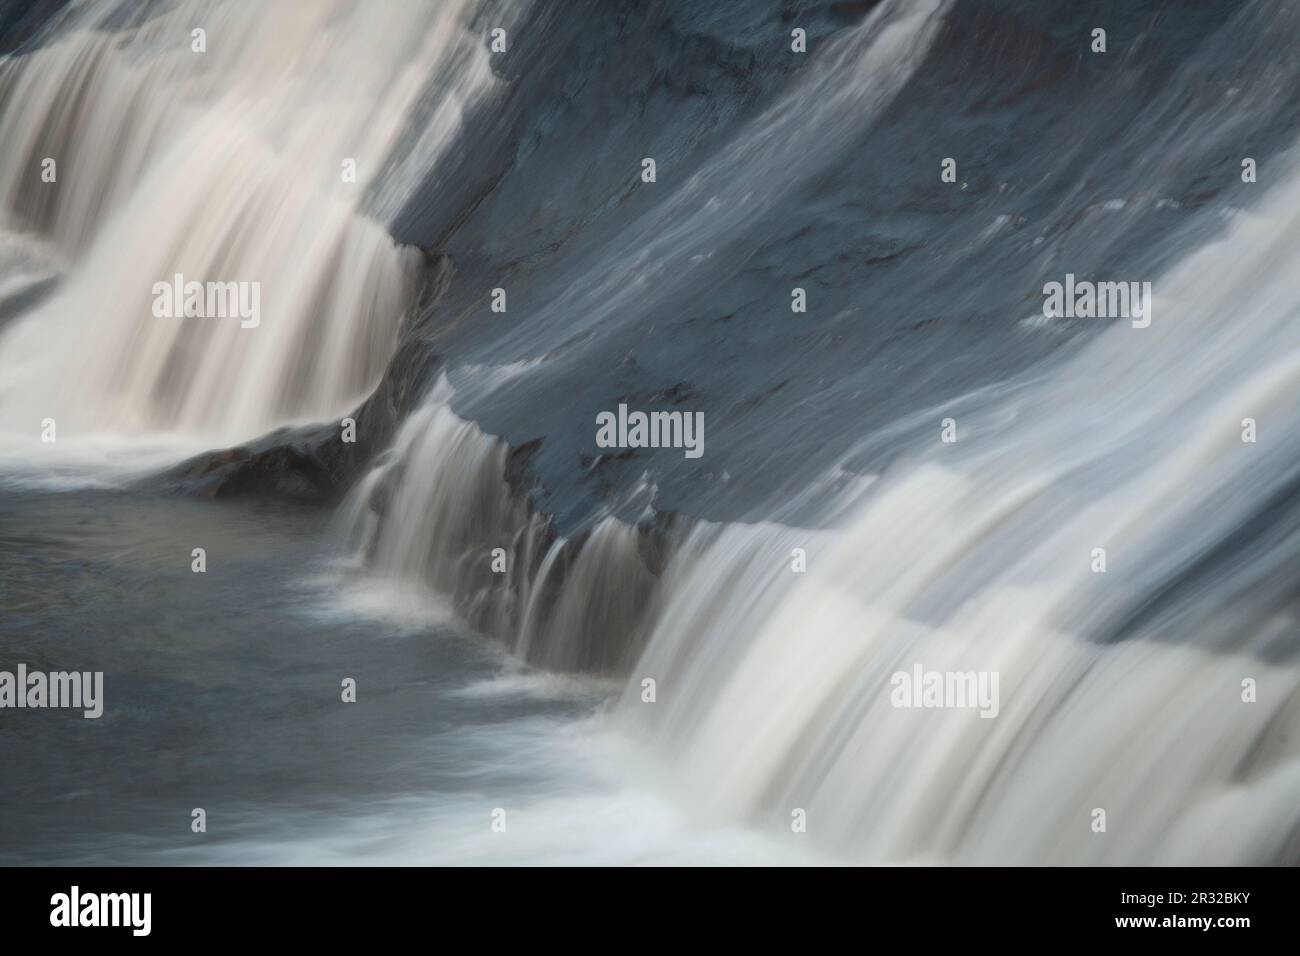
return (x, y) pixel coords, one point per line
(433, 510)
(256, 159)
(1119, 690)
(772, 642)
(438, 518)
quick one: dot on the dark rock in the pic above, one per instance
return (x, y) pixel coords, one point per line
(312, 463)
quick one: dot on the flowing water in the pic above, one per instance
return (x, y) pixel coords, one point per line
(223, 165)
(502, 634)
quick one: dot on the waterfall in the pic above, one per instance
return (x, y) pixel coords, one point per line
(438, 517)
(234, 164)
(1120, 691)
(1112, 540)
(434, 508)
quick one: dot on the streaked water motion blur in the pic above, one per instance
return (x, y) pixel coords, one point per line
(223, 165)
(645, 657)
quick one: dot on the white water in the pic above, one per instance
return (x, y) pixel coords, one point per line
(1119, 691)
(443, 507)
(225, 165)
(600, 811)
(445, 502)
(774, 688)
(435, 523)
